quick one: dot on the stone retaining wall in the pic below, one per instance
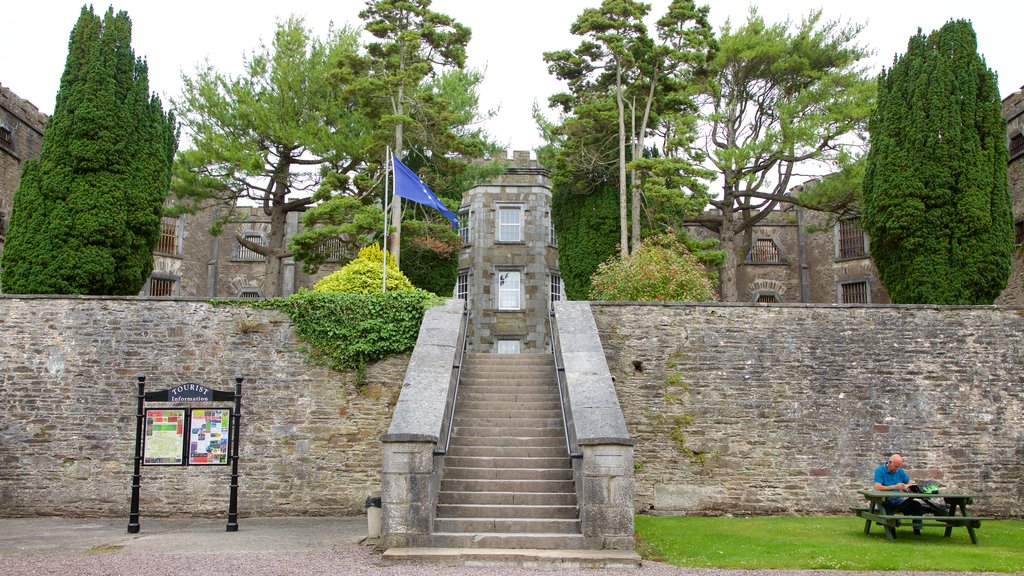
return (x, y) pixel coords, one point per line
(309, 442)
(734, 408)
(754, 409)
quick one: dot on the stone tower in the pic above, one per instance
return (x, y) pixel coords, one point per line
(508, 267)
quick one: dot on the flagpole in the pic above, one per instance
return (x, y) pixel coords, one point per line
(387, 217)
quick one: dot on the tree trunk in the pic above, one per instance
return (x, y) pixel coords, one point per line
(623, 210)
(277, 251)
(727, 274)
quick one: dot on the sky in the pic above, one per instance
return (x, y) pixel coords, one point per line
(509, 38)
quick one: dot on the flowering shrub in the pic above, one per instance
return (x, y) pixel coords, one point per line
(363, 275)
(662, 270)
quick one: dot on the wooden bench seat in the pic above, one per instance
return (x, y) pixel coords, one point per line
(893, 521)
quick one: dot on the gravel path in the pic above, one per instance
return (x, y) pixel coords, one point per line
(361, 561)
(262, 547)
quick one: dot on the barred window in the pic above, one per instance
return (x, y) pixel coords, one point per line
(1019, 229)
(168, 243)
(250, 294)
(465, 222)
(1016, 145)
(244, 253)
(764, 251)
(854, 293)
(6, 138)
(332, 249)
(510, 224)
(766, 298)
(556, 288)
(508, 290)
(462, 286)
(161, 286)
(851, 239)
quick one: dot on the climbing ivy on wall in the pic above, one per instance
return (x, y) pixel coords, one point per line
(348, 331)
(587, 228)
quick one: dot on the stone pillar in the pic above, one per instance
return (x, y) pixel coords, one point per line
(606, 498)
(407, 507)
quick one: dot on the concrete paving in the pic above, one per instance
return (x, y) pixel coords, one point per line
(49, 536)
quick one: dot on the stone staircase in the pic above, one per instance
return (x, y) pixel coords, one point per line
(507, 494)
(508, 480)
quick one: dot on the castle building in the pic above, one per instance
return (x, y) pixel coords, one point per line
(508, 266)
(21, 139)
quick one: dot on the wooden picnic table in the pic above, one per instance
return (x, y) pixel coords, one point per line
(955, 502)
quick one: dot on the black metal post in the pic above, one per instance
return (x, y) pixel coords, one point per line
(233, 503)
(133, 515)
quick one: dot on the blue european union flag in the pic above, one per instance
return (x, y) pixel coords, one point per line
(409, 186)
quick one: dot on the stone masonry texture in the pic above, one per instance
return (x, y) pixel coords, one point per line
(309, 439)
(763, 410)
(734, 408)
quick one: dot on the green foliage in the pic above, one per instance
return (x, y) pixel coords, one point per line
(342, 218)
(662, 270)
(364, 275)
(430, 255)
(936, 199)
(87, 213)
(626, 87)
(587, 227)
(825, 543)
(283, 134)
(347, 331)
(780, 95)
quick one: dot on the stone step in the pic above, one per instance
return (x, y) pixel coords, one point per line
(530, 359)
(506, 511)
(537, 462)
(523, 422)
(560, 553)
(486, 402)
(517, 381)
(496, 412)
(516, 486)
(544, 541)
(510, 431)
(456, 473)
(500, 525)
(512, 451)
(508, 498)
(506, 396)
(522, 441)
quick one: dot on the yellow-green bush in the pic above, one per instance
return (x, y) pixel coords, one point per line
(363, 275)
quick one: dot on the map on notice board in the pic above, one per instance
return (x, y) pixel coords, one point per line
(164, 438)
(208, 436)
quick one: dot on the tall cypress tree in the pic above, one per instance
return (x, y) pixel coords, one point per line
(87, 213)
(936, 199)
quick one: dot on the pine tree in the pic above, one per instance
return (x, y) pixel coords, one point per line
(87, 213)
(936, 200)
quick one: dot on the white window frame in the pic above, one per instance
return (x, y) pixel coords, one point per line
(509, 231)
(508, 290)
(556, 288)
(462, 286)
(465, 226)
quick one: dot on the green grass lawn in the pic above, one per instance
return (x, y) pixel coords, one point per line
(831, 543)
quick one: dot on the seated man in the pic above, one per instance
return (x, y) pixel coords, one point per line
(892, 476)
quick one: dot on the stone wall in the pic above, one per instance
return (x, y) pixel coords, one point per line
(738, 408)
(756, 409)
(309, 442)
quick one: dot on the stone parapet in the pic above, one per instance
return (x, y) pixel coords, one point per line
(411, 473)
